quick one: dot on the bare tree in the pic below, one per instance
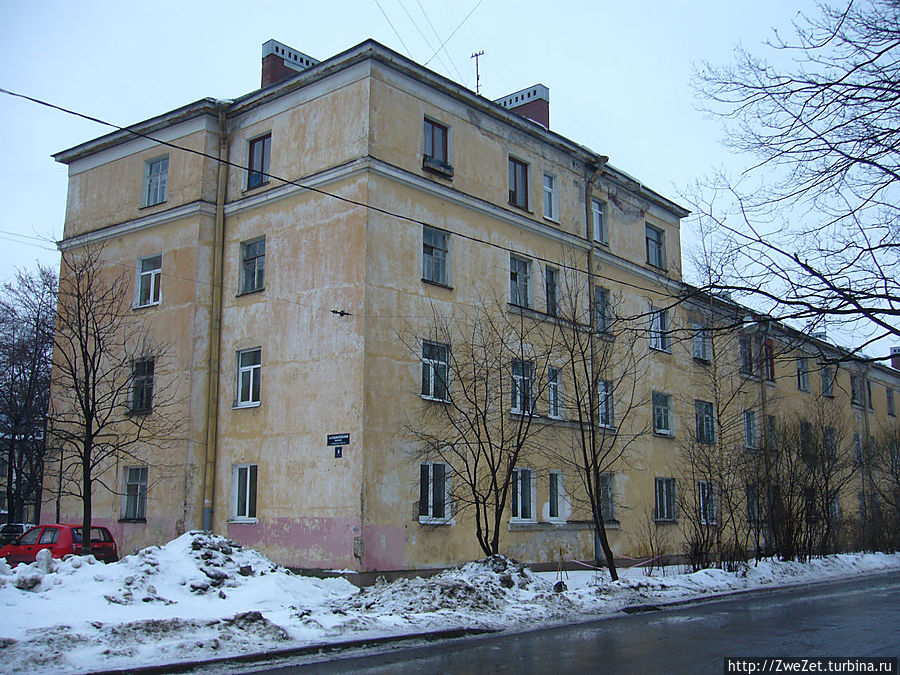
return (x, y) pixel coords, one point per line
(483, 373)
(26, 342)
(600, 353)
(111, 398)
(816, 235)
(884, 471)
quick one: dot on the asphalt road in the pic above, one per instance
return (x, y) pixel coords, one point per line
(859, 617)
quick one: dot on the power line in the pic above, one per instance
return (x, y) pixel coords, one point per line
(325, 193)
(427, 41)
(466, 18)
(396, 32)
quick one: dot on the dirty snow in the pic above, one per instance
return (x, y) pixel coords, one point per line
(202, 596)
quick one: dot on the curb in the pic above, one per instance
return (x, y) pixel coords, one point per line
(319, 648)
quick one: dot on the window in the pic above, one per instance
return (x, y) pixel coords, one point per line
(856, 389)
(746, 354)
(258, 166)
(141, 386)
(522, 387)
(750, 438)
(550, 197)
(830, 441)
(701, 345)
(703, 413)
(435, 371)
(598, 216)
(437, 147)
(243, 492)
(554, 403)
(665, 499)
(656, 246)
(434, 493)
(869, 400)
(49, 535)
(827, 380)
(889, 397)
(857, 449)
(149, 284)
(605, 403)
(435, 256)
(754, 514)
(803, 374)
(156, 178)
(662, 413)
(518, 183)
(772, 431)
(601, 309)
(248, 379)
(556, 494)
(519, 281)
(768, 357)
(707, 502)
(606, 487)
(551, 279)
(253, 265)
(659, 329)
(522, 494)
(134, 496)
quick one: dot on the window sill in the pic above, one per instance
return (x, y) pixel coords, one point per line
(147, 306)
(519, 207)
(552, 220)
(240, 406)
(138, 413)
(242, 521)
(660, 270)
(432, 398)
(664, 434)
(255, 187)
(660, 350)
(436, 283)
(250, 292)
(524, 523)
(702, 361)
(428, 520)
(436, 166)
(132, 520)
(601, 242)
(548, 525)
(150, 206)
(666, 521)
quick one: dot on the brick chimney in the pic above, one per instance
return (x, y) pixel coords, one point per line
(280, 62)
(895, 358)
(533, 103)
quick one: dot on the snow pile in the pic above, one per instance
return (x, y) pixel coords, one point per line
(203, 596)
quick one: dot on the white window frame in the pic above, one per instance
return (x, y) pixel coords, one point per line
(751, 433)
(153, 278)
(707, 502)
(516, 190)
(656, 247)
(607, 492)
(521, 476)
(520, 281)
(745, 355)
(662, 413)
(705, 421)
(253, 371)
(263, 171)
(248, 475)
(556, 493)
(803, 373)
(601, 309)
(551, 290)
(431, 371)
(550, 196)
(605, 408)
(828, 380)
(857, 393)
(140, 395)
(665, 495)
(522, 386)
(890, 402)
(701, 344)
(435, 255)
(428, 518)
(259, 267)
(156, 181)
(134, 493)
(431, 157)
(554, 394)
(598, 221)
(660, 338)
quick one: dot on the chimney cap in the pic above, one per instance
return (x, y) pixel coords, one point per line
(292, 58)
(533, 93)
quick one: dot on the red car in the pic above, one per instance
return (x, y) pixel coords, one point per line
(61, 540)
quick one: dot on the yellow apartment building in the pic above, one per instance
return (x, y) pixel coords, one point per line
(314, 255)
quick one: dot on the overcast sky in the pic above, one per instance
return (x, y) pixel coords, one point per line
(619, 75)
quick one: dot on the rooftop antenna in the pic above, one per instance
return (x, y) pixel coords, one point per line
(477, 75)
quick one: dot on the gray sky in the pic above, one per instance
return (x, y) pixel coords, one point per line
(618, 73)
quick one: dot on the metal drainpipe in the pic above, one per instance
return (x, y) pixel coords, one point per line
(215, 324)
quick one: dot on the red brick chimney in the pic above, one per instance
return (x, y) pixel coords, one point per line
(895, 358)
(533, 103)
(280, 62)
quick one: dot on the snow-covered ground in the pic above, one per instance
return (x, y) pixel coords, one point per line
(202, 596)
